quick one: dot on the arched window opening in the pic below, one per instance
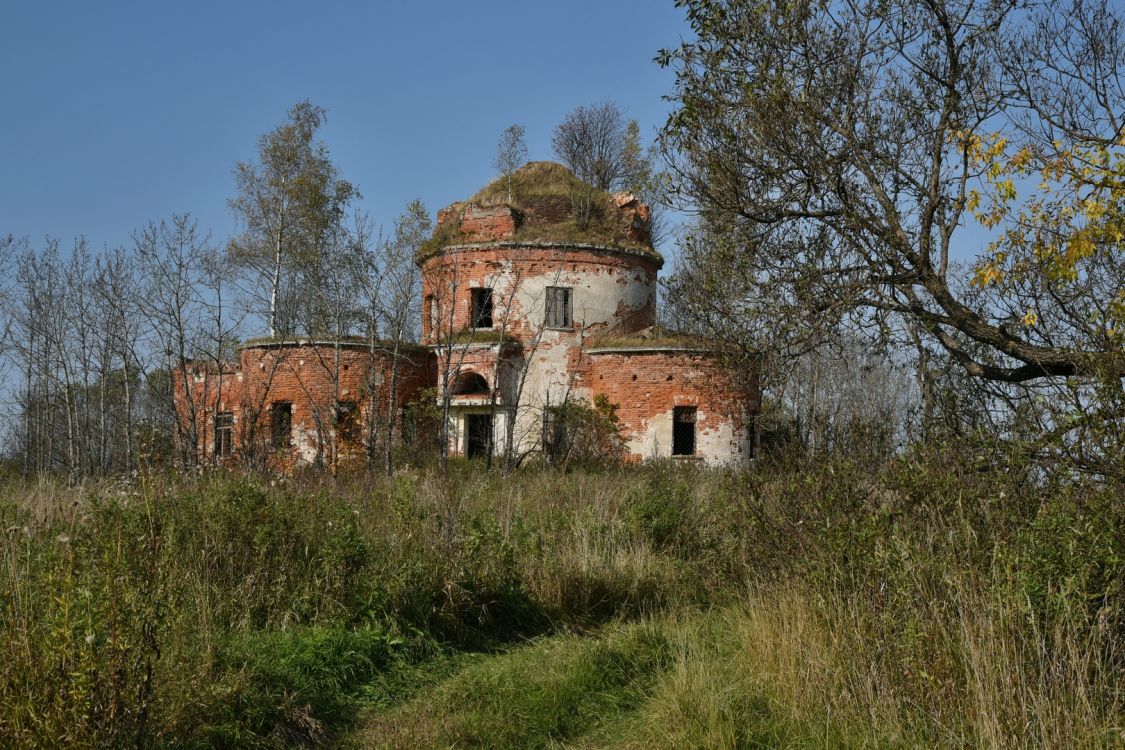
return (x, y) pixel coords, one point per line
(470, 384)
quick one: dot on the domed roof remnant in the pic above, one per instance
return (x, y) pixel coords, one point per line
(544, 198)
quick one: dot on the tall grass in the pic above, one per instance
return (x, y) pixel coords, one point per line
(561, 688)
(925, 602)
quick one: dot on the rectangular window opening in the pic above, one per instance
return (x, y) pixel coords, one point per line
(482, 307)
(431, 312)
(683, 431)
(281, 424)
(224, 433)
(346, 426)
(558, 307)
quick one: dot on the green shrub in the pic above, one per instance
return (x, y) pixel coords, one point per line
(1071, 557)
(282, 688)
(659, 507)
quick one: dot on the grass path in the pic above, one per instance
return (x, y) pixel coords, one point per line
(668, 683)
(543, 694)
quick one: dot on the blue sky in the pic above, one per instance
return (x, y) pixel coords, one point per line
(116, 113)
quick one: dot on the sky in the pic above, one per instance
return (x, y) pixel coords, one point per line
(114, 114)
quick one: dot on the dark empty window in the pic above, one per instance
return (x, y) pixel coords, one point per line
(224, 433)
(431, 313)
(482, 308)
(558, 307)
(554, 434)
(346, 421)
(683, 431)
(281, 424)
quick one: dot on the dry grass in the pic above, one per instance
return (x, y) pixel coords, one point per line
(920, 603)
(654, 338)
(536, 179)
(792, 668)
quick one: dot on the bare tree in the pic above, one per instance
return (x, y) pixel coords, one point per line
(118, 290)
(452, 341)
(505, 365)
(171, 256)
(336, 301)
(78, 341)
(591, 140)
(218, 335)
(511, 154)
(605, 152)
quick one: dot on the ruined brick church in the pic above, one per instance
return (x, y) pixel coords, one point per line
(531, 300)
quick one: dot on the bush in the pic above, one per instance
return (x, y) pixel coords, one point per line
(1071, 558)
(278, 689)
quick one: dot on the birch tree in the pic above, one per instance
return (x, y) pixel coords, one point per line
(289, 202)
(394, 312)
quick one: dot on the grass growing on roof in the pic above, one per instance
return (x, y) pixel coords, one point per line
(478, 336)
(327, 340)
(540, 181)
(536, 179)
(653, 338)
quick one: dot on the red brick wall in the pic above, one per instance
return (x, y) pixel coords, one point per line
(547, 209)
(461, 360)
(477, 223)
(645, 385)
(303, 375)
(481, 224)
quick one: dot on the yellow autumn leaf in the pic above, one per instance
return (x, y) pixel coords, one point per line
(987, 273)
(1094, 209)
(1022, 158)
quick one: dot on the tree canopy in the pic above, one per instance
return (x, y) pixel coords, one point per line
(292, 203)
(836, 153)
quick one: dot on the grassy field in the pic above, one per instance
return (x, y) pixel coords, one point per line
(935, 601)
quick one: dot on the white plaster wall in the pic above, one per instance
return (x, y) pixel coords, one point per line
(717, 442)
(305, 442)
(598, 294)
(457, 428)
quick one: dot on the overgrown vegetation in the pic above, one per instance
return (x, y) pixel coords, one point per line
(533, 181)
(656, 337)
(557, 207)
(941, 599)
